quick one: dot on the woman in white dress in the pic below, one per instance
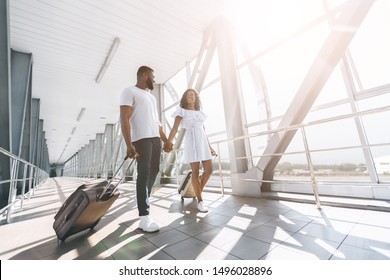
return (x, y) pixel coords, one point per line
(196, 145)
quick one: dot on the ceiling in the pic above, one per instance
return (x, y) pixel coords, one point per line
(69, 41)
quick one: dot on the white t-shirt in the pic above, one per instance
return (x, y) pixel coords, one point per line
(144, 121)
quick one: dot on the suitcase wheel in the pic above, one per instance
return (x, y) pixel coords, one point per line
(94, 225)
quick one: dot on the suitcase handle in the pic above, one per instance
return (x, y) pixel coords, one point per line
(117, 184)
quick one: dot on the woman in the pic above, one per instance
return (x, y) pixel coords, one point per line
(196, 145)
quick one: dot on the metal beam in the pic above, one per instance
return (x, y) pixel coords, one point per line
(20, 86)
(5, 101)
(39, 143)
(343, 30)
(232, 96)
(351, 90)
(196, 81)
(35, 103)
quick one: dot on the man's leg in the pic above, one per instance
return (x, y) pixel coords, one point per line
(154, 164)
(144, 150)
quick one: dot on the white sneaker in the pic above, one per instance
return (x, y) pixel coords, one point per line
(202, 207)
(147, 224)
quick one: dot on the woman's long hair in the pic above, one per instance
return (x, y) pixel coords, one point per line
(183, 101)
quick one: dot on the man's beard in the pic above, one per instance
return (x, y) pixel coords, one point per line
(149, 83)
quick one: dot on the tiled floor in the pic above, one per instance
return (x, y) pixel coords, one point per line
(235, 228)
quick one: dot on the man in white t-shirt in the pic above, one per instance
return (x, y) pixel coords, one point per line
(143, 133)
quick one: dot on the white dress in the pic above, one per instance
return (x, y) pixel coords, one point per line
(196, 145)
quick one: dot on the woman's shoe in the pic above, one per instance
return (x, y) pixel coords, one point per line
(202, 207)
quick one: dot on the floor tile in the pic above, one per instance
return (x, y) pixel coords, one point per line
(247, 248)
(314, 246)
(189, 249)
(269, 234)
(168, 238)
(244, 228)
(348, 252)
(286, 224)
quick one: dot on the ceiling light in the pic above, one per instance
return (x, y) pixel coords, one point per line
(109, 57)
(81, 114)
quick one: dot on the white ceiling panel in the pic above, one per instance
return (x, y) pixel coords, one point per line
(70, 39)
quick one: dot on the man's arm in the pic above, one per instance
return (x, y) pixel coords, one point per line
(167, 144)
(125, 114)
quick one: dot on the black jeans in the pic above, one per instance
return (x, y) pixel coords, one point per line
(148, 166)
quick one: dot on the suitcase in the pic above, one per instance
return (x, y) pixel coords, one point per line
(185, 188)
(85, 207)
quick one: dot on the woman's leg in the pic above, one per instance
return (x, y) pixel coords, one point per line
(207, 171)
(195, 180)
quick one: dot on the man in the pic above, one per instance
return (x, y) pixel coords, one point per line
(142, 131)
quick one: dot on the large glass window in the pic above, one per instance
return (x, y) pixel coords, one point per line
(286, 67)
(276, 48)
(371, 44)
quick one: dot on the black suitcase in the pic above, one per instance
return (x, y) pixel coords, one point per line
(185, 188)
(84, 208)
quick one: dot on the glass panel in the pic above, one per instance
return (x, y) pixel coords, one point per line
(260, 24)
(336, 134)
(340, 110)
(168, 101)
(221, 148)
(375, 128)
(375, 102)
(257, 143)
(212, 106)
(382, 163)
(213, 72)
(370, 46)
(333, 90)
(179, 82)
(296, 145)
(292, 168)
(285, 68)
(341, 165)
(168, 116)
(254, 102)
(334, 3)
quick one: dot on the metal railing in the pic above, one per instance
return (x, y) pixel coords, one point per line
(24, 175)
(222, 174)
(307, 152)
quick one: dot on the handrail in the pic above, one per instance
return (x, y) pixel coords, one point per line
(306, 151)
(32, 174)
(302, 125)
(88, 170)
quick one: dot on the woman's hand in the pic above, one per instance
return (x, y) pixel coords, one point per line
(212, 151)
(168, 146)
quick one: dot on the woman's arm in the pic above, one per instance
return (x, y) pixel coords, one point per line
(174, 128)
(211, 149)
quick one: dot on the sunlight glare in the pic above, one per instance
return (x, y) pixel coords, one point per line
(255, 21)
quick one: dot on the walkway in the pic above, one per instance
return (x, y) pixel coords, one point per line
(235, 228)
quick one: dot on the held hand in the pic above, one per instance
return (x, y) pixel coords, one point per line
(131, 152)
(167, 146)
(213, 152)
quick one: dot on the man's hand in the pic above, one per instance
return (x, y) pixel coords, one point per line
(168, 146)
(131, 152)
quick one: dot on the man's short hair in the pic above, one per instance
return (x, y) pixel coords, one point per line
(143, 69)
